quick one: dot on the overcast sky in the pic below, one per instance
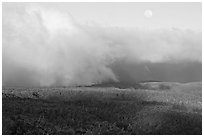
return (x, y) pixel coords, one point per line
(165, 15)
(47, 44)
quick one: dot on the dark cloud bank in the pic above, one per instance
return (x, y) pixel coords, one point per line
(47, 47)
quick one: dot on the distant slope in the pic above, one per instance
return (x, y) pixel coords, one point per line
(122, 85)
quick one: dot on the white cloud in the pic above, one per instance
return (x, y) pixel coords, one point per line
(56, 50)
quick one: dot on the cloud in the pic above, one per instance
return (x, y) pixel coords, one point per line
(47, 47)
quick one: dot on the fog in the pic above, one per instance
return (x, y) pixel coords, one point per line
(42, 46)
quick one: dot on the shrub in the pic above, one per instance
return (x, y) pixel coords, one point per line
(35, 94)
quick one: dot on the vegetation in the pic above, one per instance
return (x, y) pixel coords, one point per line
(91, 116)
(164, 87)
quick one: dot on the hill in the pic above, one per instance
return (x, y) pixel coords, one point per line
(151, 108)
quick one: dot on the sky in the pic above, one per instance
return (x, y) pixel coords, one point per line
(184, 15)
(66, 44)
(165, 15)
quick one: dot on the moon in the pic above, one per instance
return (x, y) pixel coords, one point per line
(148, 13)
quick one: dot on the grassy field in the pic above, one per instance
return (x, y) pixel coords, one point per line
(148, 108)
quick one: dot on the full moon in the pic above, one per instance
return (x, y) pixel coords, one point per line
(148, 13)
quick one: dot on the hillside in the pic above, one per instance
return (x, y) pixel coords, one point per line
(145, 108)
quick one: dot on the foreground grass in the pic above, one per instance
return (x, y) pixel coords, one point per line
(90, 116)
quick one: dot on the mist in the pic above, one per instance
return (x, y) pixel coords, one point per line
(43, 46)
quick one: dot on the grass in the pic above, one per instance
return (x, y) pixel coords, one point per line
(78, 117)
(102, 111)
(164, 87)
(25, 116)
